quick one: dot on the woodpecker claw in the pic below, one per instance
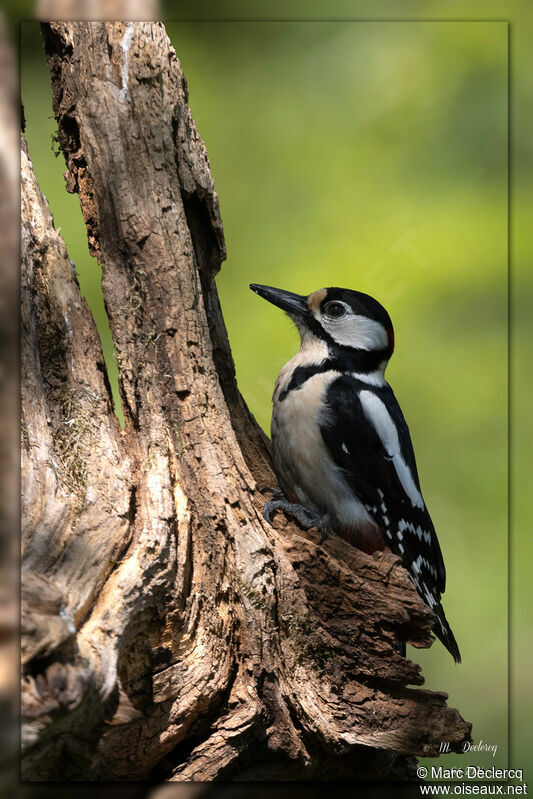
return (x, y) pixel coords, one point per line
(306, 517)
(275, 492)
(323, 528)
(267, 510)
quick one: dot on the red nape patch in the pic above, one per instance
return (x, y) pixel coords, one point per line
(390, 334)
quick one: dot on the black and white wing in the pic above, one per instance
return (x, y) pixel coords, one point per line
(368, 437)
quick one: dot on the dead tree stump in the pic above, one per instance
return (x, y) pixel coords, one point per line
(168, 632)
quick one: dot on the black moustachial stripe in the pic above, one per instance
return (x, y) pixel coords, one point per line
(303, 373)
(342, 359)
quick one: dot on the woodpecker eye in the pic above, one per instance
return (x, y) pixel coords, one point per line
(335, 309)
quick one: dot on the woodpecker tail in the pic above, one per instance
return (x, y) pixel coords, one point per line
(443, 632)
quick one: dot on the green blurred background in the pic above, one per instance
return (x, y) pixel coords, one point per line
(371, 155)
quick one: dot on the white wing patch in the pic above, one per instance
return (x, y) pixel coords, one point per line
(377, 414)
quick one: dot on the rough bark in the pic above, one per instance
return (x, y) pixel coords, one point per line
(9, 406)
(168, 631)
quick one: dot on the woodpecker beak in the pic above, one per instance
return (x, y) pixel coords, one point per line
(293, 304)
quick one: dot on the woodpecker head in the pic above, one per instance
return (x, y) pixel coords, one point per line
(349, 322)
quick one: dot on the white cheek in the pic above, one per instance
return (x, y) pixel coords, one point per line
(357, 331)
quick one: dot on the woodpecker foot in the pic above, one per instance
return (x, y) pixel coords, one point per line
(305, 516)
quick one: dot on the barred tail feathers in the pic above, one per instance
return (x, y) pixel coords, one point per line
(443, 632)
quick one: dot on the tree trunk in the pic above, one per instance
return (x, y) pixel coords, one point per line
(168, 632)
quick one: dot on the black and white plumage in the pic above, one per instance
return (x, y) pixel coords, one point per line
(341, 447)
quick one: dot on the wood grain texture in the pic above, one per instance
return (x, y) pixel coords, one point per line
(207, 644)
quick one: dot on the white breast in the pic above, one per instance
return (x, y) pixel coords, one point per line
(303, 464)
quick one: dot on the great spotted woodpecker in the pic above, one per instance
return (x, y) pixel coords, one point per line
(341, 447)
